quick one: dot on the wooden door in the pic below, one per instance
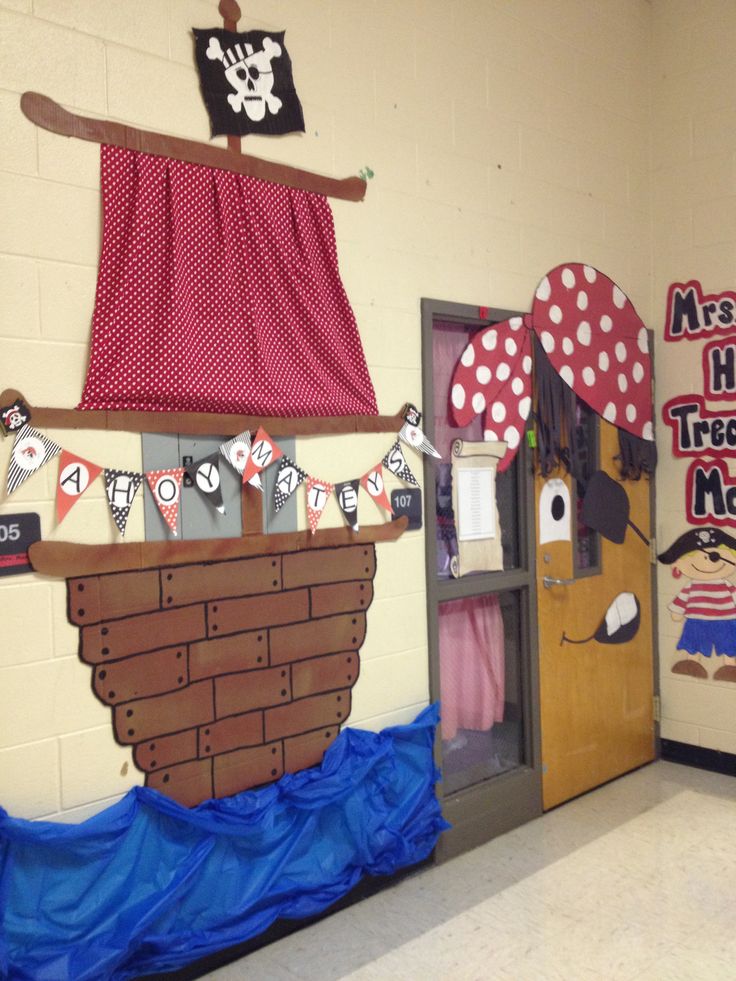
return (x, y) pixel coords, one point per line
(596, 698)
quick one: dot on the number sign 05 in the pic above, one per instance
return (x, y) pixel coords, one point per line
(17, 534)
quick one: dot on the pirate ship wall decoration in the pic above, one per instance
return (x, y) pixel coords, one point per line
(275, 374)
(227, 664)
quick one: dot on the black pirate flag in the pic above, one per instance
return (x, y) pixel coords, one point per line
(247, 83)
(14, 417)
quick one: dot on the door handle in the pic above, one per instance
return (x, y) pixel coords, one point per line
(550, 581)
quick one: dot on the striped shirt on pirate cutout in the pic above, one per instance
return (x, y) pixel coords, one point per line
(708, 601)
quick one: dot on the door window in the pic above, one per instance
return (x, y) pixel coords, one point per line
(481, 590)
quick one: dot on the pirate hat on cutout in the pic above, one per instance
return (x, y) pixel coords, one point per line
(697, 539)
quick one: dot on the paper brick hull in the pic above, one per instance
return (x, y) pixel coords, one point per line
(223, 676)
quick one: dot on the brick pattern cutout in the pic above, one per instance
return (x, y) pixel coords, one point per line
(226, 675)
(97, 598)
(141, 676)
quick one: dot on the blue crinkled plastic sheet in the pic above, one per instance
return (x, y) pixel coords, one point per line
(148, 885)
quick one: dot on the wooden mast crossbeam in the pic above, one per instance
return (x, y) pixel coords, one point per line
(201, 423)
(49, 115)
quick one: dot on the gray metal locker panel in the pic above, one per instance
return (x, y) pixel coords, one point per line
(197, 518)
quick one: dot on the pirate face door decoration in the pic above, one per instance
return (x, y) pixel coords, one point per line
(247, 82)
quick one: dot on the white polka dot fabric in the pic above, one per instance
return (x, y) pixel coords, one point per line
(218, 292)
(597, 342)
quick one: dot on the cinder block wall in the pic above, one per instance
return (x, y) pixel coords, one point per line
(504, 137)
(694, 237)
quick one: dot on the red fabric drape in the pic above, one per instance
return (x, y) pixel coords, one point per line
(219, 293)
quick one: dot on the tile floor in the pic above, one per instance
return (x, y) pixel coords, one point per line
(636, 880)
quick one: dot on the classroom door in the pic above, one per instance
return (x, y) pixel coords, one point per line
(596, 642)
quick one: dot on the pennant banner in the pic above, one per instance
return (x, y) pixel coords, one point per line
(288, 478)
(121, 486)
(262, 454)
(373, 483)
(318, 494)
(236, 451)
(75, 476)
(395, 462)
(414, 436)
(205, 474)
(347, 497)
(166, 489)
(248, 456)
(31, 451)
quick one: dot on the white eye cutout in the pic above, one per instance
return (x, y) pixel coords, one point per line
(555, 524)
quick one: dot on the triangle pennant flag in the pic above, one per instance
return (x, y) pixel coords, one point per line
(75, 476)
(347, 497)
(414, 436)
(205, 474)
(166, 489)
(31, 451)
(288, 478)
(121, 486)
(395, 462)
(318, 493)
(262, 454)
(236, 451)
(374, 485)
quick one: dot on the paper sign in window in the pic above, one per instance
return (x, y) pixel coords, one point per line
(479, 532)
(476, 495)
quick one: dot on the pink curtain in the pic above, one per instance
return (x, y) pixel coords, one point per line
(472, 664)
(219, 293)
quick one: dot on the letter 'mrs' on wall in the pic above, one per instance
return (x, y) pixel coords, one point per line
(692, 313)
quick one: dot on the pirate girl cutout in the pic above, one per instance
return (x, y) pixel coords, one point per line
(706, 557)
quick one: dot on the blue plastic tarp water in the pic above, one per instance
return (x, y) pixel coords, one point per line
(148, 885)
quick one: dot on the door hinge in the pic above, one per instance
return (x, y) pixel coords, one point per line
(656, 708)
(653, 550)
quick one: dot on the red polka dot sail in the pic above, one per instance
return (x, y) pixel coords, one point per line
(218, 292)
(597, 343)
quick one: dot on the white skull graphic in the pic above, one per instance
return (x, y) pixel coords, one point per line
(249, 73)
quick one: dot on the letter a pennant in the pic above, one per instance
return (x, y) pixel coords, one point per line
(395, 462)
(75, 476)
(166, 489)
(31, 451)
(373, 483)
(262, 454)
(121, 486)
(288, 478)
(318, 493)
(347, 497)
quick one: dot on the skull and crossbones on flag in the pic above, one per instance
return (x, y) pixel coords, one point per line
(247, 82)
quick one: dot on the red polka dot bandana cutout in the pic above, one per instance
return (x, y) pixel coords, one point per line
(594, 339)
(218, 292)
(597, 343)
